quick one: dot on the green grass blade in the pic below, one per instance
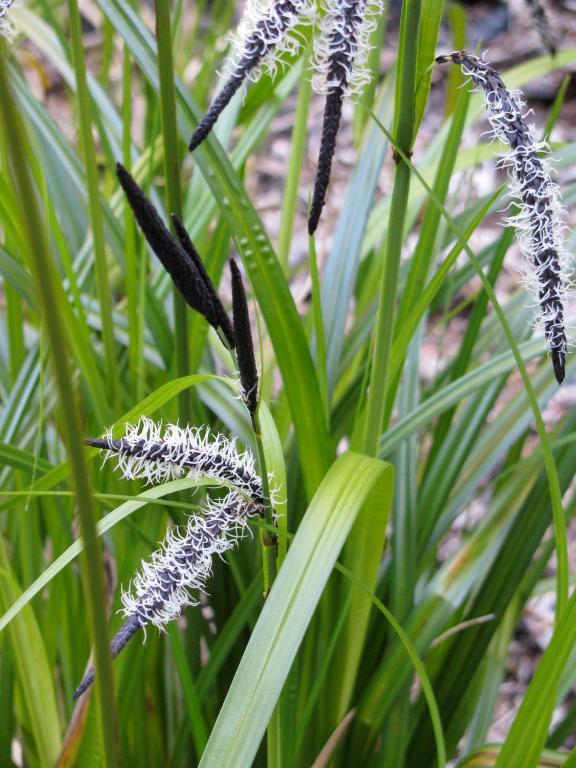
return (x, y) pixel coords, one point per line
(32, 670)
(278, 633)
(45, 277)
(527, 736)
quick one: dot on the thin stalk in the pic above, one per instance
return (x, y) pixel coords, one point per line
(404, 128)
(457, 17)
(107, 50)
(297, 153)
(46, 281)
(268, 541)
(135, 346)
(172, 173)
(319, 328)
(84, 103)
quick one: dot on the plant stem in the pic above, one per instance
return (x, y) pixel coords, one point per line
(297, 153)
(403, 130)
(268, 542)
(319, 328)
(46, 278)
(96, 219)
(172, 173)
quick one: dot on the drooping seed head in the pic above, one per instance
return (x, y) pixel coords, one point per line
(166, 584)
(539, 221)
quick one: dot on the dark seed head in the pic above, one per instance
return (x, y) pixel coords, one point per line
(558, 362)
(221, 318)
(243, 338)
(175, 260)
(332, 114)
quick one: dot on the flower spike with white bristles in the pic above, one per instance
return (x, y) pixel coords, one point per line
(148, 451)
(539, 223)
(340, 51)
(162, 589)
(263, 37)
(341, 46)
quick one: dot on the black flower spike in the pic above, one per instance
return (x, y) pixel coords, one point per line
(264, 38)
(243, 338)
(189, 247)
(332, 114)
(193, 283)
(119, 641)
(341, 46)
(538, 224)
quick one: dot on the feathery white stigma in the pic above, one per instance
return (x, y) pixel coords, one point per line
(539, 223)
(342, 44)
(267, 33)
(157, 454)
(161, 591)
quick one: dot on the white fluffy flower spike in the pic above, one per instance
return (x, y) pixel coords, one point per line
(341, 46)
(155, 453)
(167, 581)
(162, 589)
(263, 37)
(340, 51)
(539, 223)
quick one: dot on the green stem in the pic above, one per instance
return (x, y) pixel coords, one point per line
(172, 173)
(268, 542)
(135, 346)
(95, 210)
(46, 278)
(319, 328)
(376, 403)
(403, 130)
(297, 153)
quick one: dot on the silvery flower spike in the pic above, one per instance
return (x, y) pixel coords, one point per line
(539, 222)
(341, 46)
(162, 589)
